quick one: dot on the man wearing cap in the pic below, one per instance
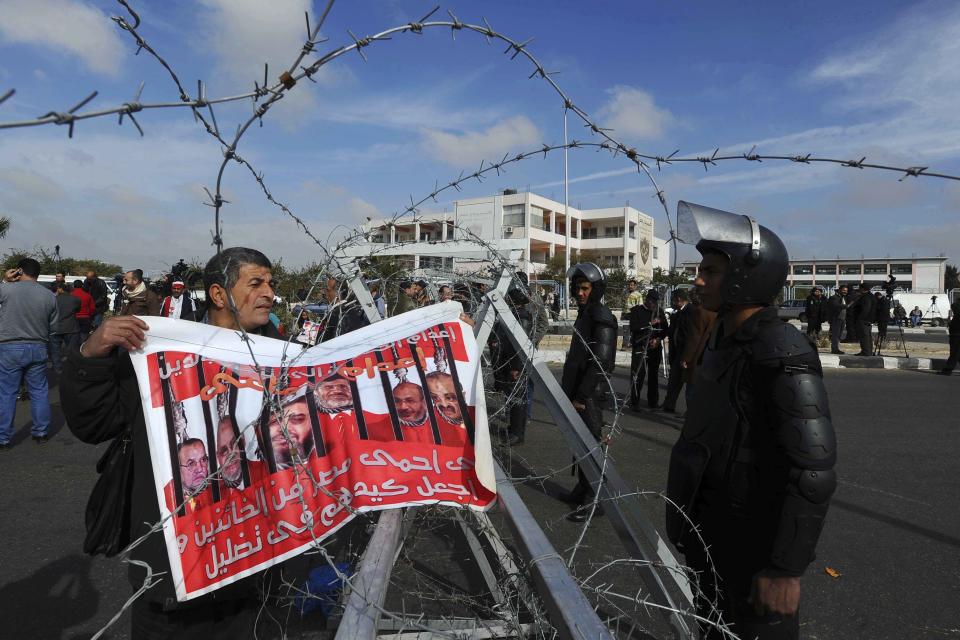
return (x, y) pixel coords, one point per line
(177, 305)
(751, 475)
(648, 326)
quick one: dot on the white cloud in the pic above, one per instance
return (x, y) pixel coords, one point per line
(64, 26)
(470, 148)
(245, 34)
(631, 113)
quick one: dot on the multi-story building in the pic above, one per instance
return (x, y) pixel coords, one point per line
(922, 275)
(614, 237)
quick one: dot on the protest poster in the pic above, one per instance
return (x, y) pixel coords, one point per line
(261, 447)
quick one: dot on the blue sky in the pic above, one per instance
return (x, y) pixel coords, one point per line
(853, 79)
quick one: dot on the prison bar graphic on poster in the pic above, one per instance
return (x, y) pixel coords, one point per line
(260, 447)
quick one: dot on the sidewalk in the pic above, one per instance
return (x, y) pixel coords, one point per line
(828, 360)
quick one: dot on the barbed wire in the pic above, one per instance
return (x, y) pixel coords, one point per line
(426, 587)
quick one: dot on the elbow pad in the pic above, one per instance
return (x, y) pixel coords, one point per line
(807, 438)
(605, 349)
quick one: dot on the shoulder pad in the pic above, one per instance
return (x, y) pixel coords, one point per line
(779, 340)
(601, 315)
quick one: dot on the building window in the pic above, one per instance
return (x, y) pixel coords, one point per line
(633, 261)
(633, 231)
(875, 268)
(590, 234)
(802, 269)
(901, 269)
(850, 269)
(425, 236)
(613, 261)
(826, 269)
(613, 232)
(514, 215)
(536, 218)
(656, 252)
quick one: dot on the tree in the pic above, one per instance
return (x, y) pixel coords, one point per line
(4, 226)
(50, 264)
(665, 278)
(951, 279)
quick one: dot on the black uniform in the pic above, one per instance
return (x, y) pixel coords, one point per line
(864, 311)
(954, 330)
(591, 357)
(815, 310)
(753, 467)
(882, 313)
(681, 326)
(752, 473)
(507, 360)
(645, 359)
(837, 311)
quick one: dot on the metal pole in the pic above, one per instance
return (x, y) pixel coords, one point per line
(566, 216)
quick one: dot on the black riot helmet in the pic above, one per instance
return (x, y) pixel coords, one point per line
(518, 290)
(758, 260)
(591, 273)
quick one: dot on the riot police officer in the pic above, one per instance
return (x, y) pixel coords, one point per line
(753, 467)
(591, 357)
(508, 364)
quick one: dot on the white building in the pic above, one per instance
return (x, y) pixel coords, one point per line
(922, 275)
(614, 237)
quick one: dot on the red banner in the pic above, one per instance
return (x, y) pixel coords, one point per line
(259, 455)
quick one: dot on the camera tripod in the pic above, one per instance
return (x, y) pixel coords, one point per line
(880, 342)
(933, 309)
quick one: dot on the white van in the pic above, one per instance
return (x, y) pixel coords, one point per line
(111, 285)
(934, 313)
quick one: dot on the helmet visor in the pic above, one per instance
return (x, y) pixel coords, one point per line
(696, 222)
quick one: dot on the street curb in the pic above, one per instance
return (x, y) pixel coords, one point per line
(827, 360)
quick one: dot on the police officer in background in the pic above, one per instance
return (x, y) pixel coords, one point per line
(593, 348)
(509, 364)
(753, 467)
(864, 310)
(648, 327)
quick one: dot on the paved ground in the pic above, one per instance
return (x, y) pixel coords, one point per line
(891, 533)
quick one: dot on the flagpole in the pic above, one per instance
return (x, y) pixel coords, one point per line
(566, 216)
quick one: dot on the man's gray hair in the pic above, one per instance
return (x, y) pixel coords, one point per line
(224, 268)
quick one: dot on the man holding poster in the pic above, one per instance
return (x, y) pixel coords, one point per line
(289, 439)
(101, 400)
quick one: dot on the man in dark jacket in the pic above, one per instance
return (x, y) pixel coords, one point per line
(837, 308)
(66, 331)
(648, 328)
(815, 312)
(97, 289)
(508, 364)
(590, 360)
(681, 328)
(865, 314)
(953, 328)
(751, 475)
(101, 401)
(882, 314)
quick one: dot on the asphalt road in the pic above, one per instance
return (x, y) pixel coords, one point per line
(892, 531)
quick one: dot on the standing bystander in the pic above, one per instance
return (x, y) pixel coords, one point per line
(882, 314)
(66, 331)
(138, 298)
(954, 332)
(815, 310)
(97, 289)
(837, 307)
(177, 305)
(865, 313)
(28, 312)
(88, 309)
(648, 328)
(681, 326)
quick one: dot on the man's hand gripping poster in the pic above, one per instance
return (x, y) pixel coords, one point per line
(261, 448)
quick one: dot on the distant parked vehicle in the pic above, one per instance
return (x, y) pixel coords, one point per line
(792, 310)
